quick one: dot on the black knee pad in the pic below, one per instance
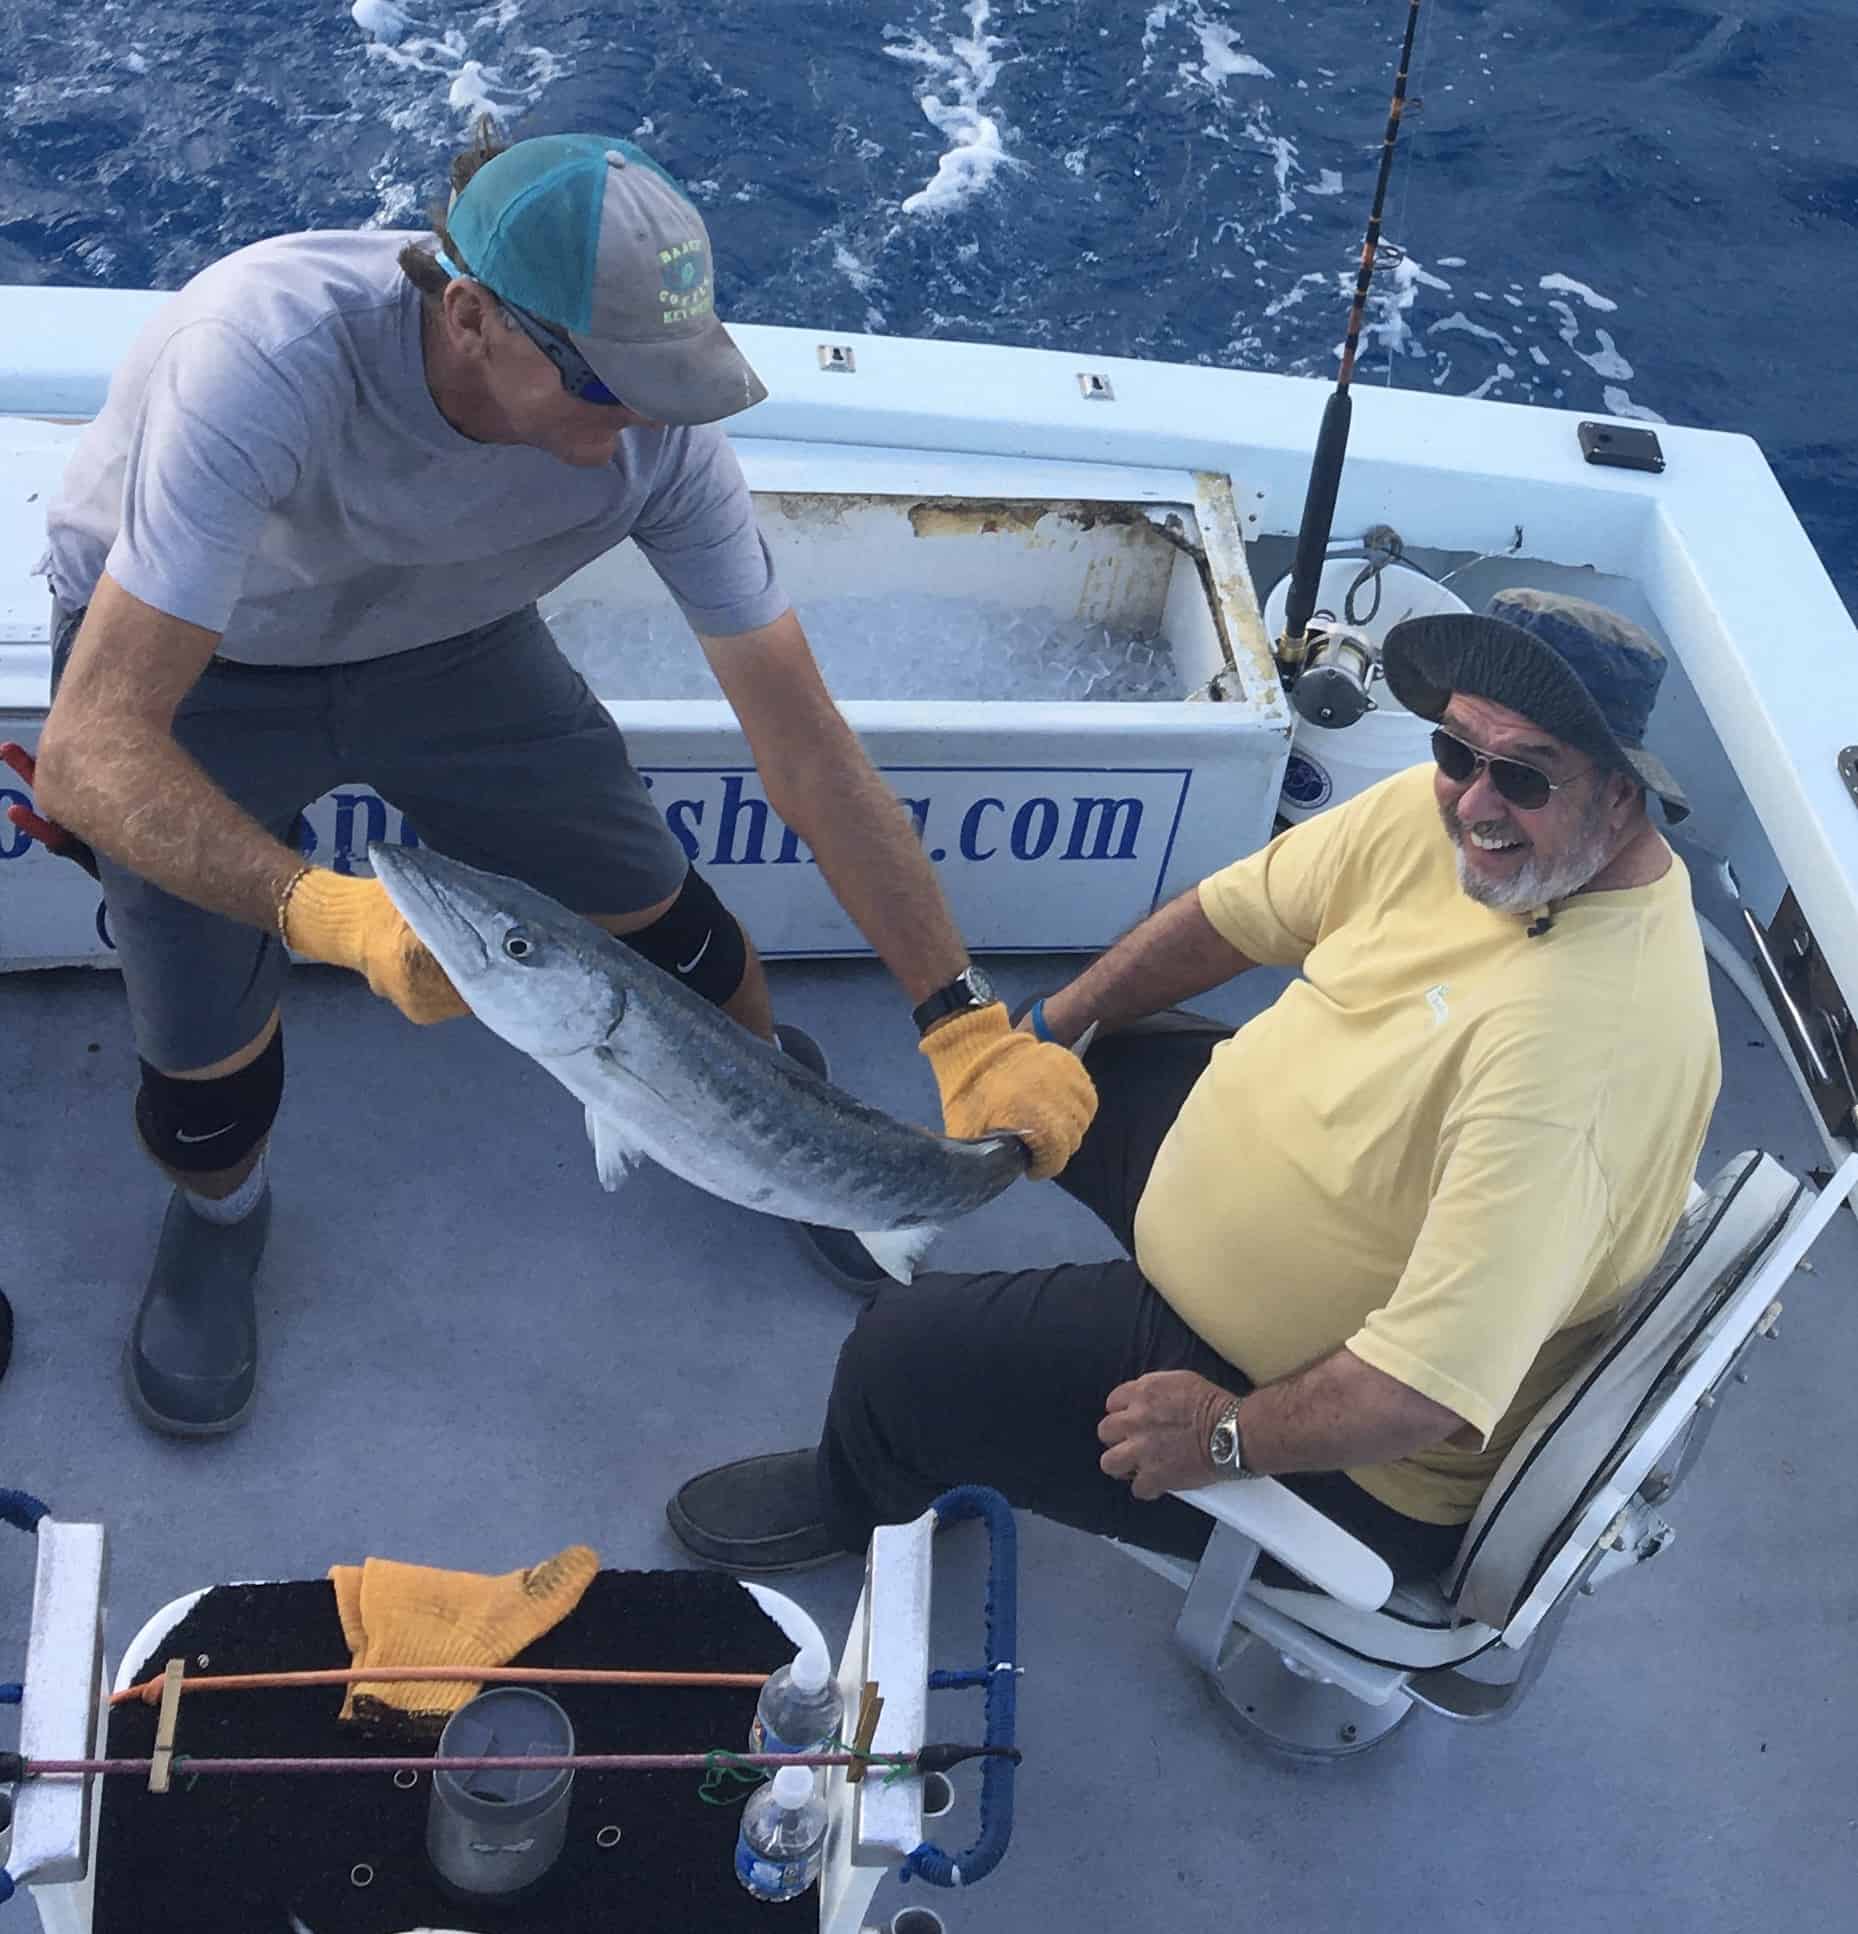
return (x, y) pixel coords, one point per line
(200, 1126)
(696, 939)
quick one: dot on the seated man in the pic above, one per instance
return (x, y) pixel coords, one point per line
(1373, 1228)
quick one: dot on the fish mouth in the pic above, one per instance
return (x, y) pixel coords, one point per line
(433, 905)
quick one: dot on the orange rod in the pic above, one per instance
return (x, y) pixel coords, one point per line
(149, 1691)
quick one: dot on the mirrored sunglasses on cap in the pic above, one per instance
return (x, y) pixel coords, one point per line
(1525, 786)
(576, 373)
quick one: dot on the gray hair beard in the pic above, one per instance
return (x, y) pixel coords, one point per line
(1535, 884)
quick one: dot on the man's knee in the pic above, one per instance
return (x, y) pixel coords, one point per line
(696, 940)
(913, 1346)
(881, 1344)
(199, 1127)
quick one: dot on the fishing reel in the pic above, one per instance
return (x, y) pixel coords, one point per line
(1332, 685)
(1330, 678)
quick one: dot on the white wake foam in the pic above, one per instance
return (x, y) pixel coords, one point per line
(977, 152)
(442, 67)
(1568, 286)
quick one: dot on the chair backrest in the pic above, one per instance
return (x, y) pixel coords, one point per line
(1579, 1437)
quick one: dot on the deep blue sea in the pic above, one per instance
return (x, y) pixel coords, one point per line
(1635, 209)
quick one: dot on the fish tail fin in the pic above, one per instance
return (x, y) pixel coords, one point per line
(897, 1251)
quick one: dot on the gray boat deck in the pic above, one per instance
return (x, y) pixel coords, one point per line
(473, 1356)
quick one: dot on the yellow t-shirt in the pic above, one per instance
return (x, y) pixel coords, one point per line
(1447, 1146)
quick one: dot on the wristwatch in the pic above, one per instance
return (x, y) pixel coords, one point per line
(1225, 1447)
(967, 992)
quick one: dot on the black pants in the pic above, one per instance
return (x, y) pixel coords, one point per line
(1000, 1378)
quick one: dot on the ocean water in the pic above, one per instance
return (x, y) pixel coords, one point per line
(1642, 210)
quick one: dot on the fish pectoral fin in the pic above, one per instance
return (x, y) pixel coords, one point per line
(616, 1154)
(898, 1251)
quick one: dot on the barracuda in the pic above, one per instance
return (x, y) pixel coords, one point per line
(664, 1074)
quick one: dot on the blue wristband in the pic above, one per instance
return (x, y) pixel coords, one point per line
(1036, 1014)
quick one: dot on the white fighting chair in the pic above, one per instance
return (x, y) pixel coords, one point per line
(1332, 1670)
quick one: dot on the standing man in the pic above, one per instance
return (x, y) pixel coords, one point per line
(303, 543)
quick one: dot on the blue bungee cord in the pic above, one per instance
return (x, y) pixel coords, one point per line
(1000, 1676)
(21, 1508)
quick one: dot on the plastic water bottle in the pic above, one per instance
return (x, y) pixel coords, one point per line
(800, 1710)
(782, 1845)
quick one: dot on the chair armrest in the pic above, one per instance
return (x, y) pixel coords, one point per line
(1298, 1535)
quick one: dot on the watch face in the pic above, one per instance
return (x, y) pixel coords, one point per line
(1225, 1444)
(979, 986)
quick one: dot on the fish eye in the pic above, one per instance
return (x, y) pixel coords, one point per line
(517, 944)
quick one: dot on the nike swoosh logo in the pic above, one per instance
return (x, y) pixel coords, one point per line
(684, 966)
(181, 1135)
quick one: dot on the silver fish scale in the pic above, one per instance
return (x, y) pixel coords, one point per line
(777, 1139)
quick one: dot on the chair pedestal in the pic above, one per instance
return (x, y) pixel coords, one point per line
(1286, 1707)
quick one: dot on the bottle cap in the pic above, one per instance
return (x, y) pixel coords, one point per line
(812, 1667)
(793, 1787)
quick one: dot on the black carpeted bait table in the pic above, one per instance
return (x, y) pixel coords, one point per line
(225, 1854)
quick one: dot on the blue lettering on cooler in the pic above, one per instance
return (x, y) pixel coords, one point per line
(14, 840)
(970, 829)
(1097, 827)
(373, 809)
(735, 805)
(1026, 844)
(1107, 816)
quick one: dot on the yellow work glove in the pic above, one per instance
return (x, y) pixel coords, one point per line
(995, 1080)
(352, 923)
(395, 1614)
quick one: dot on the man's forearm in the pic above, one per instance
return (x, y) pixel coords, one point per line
(1338, 1413)
(874, 862)
(137, 797)
(1173, 955)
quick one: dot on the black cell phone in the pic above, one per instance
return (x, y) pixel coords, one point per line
(1624, 449)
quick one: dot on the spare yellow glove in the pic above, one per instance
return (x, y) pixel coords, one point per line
(352, 923)
(995, 1080)
(394, 1614)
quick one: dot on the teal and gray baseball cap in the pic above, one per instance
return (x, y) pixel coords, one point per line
(589, 233)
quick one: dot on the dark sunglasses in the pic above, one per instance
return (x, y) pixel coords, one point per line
(1524, 786)
(577, 376)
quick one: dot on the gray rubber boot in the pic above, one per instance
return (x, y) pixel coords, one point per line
(191, 1363)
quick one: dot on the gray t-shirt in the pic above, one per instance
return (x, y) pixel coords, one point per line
(270, 464)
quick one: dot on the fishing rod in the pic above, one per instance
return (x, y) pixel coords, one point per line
(1332, 439)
